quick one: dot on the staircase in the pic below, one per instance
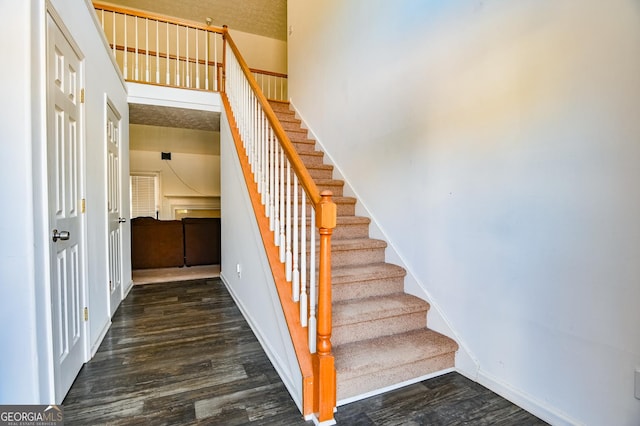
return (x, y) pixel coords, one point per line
(379, 336)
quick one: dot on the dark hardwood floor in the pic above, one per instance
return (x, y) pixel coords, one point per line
(181, 353)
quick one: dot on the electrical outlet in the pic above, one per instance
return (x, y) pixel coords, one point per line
(638, 383)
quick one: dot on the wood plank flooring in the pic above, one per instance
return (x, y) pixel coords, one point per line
(181, 353)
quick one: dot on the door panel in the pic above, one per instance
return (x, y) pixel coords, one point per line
(64, 150)
(115, 219)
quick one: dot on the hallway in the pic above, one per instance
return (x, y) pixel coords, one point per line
(181, 353)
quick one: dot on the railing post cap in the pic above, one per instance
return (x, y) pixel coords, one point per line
(327, 211)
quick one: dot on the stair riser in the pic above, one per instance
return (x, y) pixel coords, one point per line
(321, 173)
(340, 258)
(335, 188)
(299, 137)
(344, 209)
(355, 290)
(291, 125)
(297, 134)
(348, 388)
(304, 146)
(342, 231)
(278, 107)
(378, 328)
(356, 257)
(309, 160)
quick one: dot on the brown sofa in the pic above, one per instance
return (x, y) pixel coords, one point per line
(171, 243)
(201, 241)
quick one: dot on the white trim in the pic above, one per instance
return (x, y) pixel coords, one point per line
(536, 407)
(149, 94)
(100, 338)
(393, 387)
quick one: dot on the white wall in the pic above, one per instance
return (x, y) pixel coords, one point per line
(25, 359)
(19, 367)
(191, 175)
(512, 129)
(253, 289)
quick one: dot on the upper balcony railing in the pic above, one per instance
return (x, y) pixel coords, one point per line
(167, 51)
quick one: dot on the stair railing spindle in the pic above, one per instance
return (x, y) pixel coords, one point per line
(296, 227)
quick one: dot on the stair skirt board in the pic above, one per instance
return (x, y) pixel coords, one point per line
(390, 388)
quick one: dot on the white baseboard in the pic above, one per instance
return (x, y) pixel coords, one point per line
(536, 407)
(99, 340)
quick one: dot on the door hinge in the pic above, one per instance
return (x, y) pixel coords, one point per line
(81, 96)
(110, 285)
(86, 313)
(82, 205)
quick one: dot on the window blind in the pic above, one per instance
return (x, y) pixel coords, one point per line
(143, 196)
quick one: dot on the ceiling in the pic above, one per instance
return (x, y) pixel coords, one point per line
(267, 18)
(154, 115)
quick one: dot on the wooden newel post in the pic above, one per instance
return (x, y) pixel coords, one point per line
(326, 372)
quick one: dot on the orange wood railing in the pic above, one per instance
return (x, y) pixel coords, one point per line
(156, 49)
(319, 383)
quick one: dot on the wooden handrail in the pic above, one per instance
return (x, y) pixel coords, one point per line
(162, 18)
(271, 73)
(305, 178)
(323, 385)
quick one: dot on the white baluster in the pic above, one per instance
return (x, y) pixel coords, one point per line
(206, 59)
(272, 164)
(283, 241)
(178, 80)
(113, 25)
(296, 228)
(289, 257)
(215, 63)
(146, 48)
(303, 260)
(157, 52)
(126, 50)
(186, 64)
(313, 297)
(276, 195)
(168, 79)
(136, 71)
(197, 61)
(265, 158)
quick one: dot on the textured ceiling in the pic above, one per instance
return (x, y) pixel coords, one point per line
(153, 115)
(263, 17)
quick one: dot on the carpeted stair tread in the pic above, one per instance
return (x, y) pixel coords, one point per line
(369, 356)
(368, 272)
(279, 105)
(366, 366)
(373, 308)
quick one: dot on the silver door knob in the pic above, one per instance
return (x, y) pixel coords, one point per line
(62, 235)
(121, 220)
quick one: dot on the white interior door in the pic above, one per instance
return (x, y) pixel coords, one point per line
(65, 143)
(114, 191)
